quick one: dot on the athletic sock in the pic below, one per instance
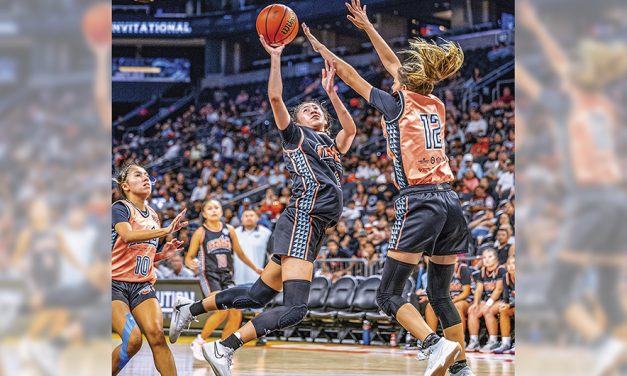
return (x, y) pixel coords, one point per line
(233, 341)
(197, 309)
(474, 338)
(457, 366)
(507, 341)
(431, 340)
(493, 339)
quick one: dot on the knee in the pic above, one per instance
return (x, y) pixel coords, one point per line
(155, 336)
(292, 316)
(134, 343)
(389, 303)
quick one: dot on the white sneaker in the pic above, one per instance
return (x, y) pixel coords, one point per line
(466, 371)
(219, 357)
(608, 356)
(442, 355)
(489, 347)
(472, 346)
(197, 348)
(181, 317)
(423, 354)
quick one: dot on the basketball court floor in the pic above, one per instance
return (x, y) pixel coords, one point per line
(309, 359)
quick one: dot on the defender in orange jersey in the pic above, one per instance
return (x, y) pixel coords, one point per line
(429, 216)
(135, 236)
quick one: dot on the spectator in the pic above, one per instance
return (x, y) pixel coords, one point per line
(253, 238)
(477, 126)
(199, 192)
(503, 246)
(505, 184)
(178, 270)
(469, 164)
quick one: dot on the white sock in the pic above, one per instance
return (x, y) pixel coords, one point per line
(474, 338)
(492, 339)
(507, 340)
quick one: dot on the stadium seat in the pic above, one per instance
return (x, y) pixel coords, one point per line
(364, 301)
(340, 297)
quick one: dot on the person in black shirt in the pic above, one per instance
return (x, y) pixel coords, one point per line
(313, 161)
(507, 308)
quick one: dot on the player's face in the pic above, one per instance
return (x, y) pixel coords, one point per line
(501, 236)
(489, 259)
(138, 182)
(212, 211)
(311, 115)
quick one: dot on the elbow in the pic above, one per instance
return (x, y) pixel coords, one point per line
(274, 98)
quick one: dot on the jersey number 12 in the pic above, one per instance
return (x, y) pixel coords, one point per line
(433, 139)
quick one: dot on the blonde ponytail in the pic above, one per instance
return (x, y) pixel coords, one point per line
(428, 63)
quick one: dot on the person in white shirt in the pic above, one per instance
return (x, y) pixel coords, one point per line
(179, 271)
(199, 192)
(254, 241)
(505, 183)
(477, 126)
(227, 147)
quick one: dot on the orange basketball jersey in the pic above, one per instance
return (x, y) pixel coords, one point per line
(132, 262)
(416, 141)
(591, 130)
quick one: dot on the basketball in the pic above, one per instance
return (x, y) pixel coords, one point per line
(97, 24)
(278, 24)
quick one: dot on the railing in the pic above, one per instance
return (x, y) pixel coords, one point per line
(473, 91)
(349, 266)
(143, 127)
(135, 111)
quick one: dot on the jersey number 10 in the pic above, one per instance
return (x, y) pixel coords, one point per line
(143, 265)
(433, 139)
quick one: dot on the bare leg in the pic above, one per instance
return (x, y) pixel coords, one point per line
(150, 320)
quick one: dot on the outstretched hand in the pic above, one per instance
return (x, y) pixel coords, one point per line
(273, 51)
(328, 76)
(358, 15)
(315, 43)
(171, 248)
(178, 222)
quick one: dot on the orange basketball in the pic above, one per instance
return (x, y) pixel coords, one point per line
(278, 24)
(97, 24)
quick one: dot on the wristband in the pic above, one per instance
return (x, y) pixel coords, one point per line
(490, 302)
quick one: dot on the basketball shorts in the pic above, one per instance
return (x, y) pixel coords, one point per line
(429, 219)
(299, 234)
(132, 293)
(216, 281)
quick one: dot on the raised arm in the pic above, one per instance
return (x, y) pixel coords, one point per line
(555, 55)
(275, 85)
(359, 18)
(345, 138)
(345, 71)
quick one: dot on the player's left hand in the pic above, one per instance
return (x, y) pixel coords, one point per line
(358, 15)
(172, 247)
(328, 77)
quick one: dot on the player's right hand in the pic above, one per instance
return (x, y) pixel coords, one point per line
(273, 51)
(315, 43)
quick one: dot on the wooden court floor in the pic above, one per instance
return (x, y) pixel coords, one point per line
(307, 359)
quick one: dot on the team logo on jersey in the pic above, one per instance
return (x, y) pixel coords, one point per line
(225, 231)
(216, 244)
(328, 152)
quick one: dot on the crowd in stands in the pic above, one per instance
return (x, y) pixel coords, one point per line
(211, 151)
